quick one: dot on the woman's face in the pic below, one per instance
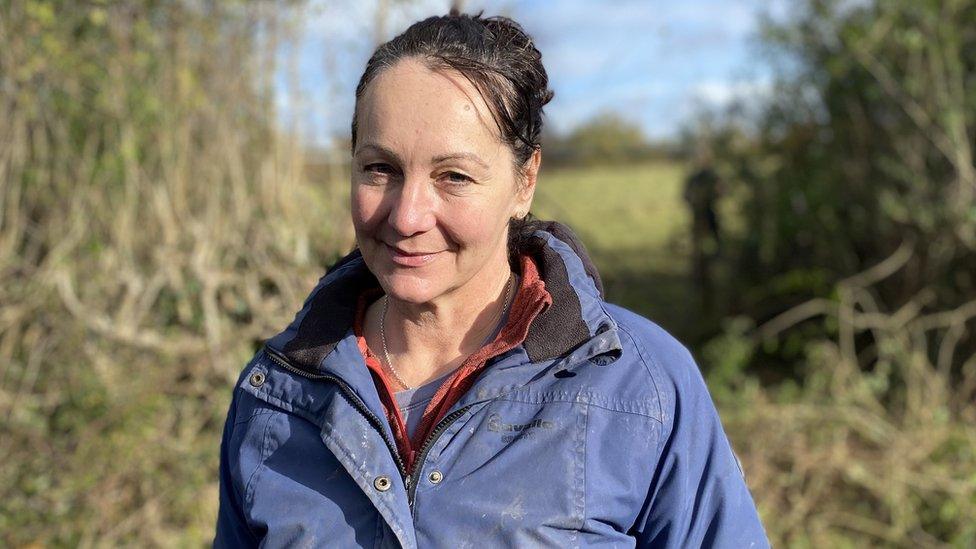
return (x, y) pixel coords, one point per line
(433, 185)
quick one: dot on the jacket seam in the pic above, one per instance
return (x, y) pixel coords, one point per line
(235, 488)
(618, 411)
(640, 353)
(378, 536)
(586, 437)
(266, 396)
(264, 451)
(576, 400)
(253, 415)
(606, 313)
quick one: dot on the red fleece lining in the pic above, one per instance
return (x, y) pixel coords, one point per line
(529, 301)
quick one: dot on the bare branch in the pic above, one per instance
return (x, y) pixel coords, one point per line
(792, 317)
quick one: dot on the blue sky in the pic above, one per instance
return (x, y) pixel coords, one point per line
(654, 62)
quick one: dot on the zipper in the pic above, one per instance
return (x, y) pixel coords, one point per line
(357, 403)
(414, 479)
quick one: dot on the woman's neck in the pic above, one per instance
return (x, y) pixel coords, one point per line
(428, 339)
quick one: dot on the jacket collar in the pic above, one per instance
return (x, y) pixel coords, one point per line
(574, 316)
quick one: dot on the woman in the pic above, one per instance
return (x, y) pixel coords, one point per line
(458, 380)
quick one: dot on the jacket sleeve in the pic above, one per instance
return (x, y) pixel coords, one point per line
(698, 496)
(232, 528)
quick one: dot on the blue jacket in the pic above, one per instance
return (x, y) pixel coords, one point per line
(597, 430)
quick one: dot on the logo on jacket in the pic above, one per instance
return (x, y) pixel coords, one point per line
(517, 430)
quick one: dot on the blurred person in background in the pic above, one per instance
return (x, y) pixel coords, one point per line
(459, 379)
(702, 191)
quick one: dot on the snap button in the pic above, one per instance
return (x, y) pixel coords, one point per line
(382, 483)
(257, 379)
(435, 477)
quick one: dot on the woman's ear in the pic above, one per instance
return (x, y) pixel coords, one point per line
(530, 174)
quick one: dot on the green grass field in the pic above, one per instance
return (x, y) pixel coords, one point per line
(634, 223)
(620, 208)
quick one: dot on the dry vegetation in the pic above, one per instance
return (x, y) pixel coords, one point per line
(154, 227)
(851, 456)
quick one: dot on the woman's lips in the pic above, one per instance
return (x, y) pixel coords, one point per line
(401, 257)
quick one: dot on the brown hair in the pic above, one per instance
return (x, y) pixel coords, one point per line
(493, 53)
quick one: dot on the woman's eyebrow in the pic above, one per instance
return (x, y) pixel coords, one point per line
(380, 149)
(463, 156)
(440, 158)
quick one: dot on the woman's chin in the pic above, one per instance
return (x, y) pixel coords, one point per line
(409, 289)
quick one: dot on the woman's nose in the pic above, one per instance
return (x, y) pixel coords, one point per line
(412, 210)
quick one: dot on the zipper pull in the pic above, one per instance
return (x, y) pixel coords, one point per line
(407, 481)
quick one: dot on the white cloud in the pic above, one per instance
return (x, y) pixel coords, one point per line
(721, 93)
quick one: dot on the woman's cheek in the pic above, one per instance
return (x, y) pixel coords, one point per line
(480, 227)
(365, 207)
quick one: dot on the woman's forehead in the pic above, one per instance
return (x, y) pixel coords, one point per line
(411, 103)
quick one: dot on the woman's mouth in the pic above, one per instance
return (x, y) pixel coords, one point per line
(410, 259)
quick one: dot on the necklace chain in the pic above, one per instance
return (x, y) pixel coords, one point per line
(386, 353)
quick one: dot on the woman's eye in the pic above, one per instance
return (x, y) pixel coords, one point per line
(456, 178)
(381, 169)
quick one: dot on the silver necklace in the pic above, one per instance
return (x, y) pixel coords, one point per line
(386, 353)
